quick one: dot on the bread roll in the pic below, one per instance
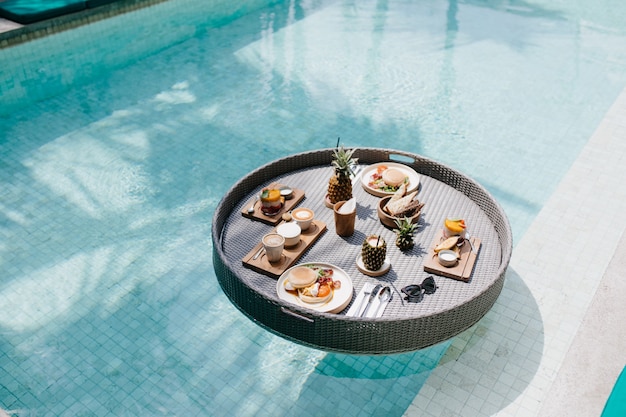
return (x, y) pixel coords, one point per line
(398, 206)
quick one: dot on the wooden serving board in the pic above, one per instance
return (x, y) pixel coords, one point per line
(290, 255)
(462, 270)
(257, 214)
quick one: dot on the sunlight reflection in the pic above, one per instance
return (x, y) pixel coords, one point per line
(94, 177)
(209, 113)
(285, 367)
(35, 300)
(327, 71)
(178, 94)
(13, 215)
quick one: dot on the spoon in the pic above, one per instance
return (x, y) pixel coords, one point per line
(383, 296)
(251, 208)
(468, 238)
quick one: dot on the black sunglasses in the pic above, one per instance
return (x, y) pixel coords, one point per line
(415, 292)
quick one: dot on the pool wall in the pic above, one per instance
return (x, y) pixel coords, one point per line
(44, 59)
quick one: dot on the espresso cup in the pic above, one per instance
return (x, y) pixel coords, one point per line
(273, 244)
(303, 217)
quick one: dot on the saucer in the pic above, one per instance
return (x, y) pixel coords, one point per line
(382, 271)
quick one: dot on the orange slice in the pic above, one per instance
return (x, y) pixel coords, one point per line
(455, 225)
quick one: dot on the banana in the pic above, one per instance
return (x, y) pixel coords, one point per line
(449, 243)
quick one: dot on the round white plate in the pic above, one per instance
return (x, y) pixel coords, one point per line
(340, 300)
(382, 271)
(366, 178)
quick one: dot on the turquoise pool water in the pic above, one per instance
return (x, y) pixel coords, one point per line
(108, 301)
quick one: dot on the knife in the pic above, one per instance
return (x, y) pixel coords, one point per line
(373, 295)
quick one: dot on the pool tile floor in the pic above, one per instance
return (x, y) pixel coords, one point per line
(555, 342)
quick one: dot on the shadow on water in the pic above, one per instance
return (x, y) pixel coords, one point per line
(504, 346)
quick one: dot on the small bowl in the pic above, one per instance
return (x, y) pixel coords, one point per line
(387, 219)
(291, 232)
(286, 192)
(447, 257)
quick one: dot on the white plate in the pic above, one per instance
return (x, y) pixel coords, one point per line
(340, 300)
(366, 178)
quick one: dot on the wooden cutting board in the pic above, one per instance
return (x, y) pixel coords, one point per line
(257, 214)
(462, 270)
(290, 255)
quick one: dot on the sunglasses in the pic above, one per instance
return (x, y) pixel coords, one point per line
(415, 293)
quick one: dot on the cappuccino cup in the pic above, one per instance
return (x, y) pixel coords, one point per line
(303, 217)
(273, 244)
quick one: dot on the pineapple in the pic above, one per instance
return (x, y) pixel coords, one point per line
(373, 252)
(404, 233)
(340, 184)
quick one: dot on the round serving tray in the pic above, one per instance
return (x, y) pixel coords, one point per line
(456, 305)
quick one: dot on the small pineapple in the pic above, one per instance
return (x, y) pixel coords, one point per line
(340, 184)
(373, 252)
(404, 233)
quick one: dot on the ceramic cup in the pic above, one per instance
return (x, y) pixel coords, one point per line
(273, 244)
(344, 222)
(291, 232)
(303, 217)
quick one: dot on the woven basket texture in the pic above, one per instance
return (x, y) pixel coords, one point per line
(455, 306)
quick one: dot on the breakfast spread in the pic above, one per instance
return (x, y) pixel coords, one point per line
(387, 179)
(403, 205)
(312, 284)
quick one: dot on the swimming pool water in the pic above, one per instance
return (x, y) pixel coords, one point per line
(108, 301)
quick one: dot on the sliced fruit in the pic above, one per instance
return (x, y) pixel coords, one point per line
(455, 225)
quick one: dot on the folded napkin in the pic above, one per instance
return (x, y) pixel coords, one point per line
(377, 307)
(348, 207)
